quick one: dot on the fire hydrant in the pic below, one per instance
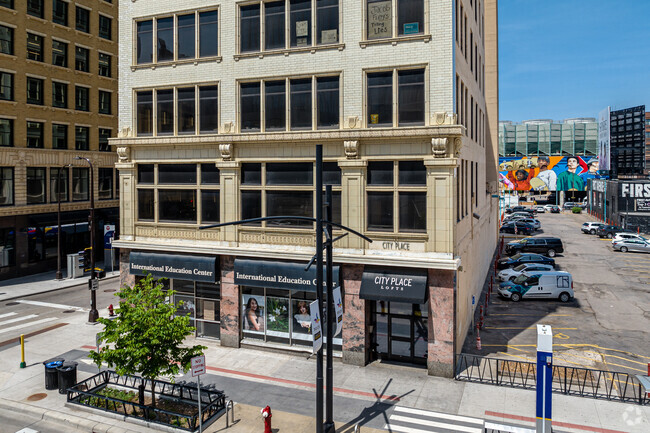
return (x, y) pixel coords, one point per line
(110, 310)
(266, 414)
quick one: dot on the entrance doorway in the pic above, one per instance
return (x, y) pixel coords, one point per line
(399, 331)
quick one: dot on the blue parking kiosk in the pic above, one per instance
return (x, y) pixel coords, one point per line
(544, 378)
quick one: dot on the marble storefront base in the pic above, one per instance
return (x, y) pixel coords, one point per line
(440, 369)
(355, 358)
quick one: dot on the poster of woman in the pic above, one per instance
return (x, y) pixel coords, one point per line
(253, 313)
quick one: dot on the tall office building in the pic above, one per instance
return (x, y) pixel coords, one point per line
(222, 106)
(627, 143)
(58, 100)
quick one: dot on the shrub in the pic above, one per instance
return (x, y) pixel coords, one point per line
(576, 209)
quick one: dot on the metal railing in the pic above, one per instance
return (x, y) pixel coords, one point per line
(85, 394)
(582, 382)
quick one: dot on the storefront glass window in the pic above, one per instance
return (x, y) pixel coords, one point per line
(7, 247)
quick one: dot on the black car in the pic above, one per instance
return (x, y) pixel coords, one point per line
(521, 258)
(542, 245)
(609, 231)
(555, 209)
(522, 228)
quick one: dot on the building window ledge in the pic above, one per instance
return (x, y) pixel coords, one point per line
(395, 41)
(173, 64)
(287, 51)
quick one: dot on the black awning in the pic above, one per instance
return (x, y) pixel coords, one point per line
(395, 285)
(279, 275)
(182, 267)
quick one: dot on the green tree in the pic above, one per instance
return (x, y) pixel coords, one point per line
(146, 337)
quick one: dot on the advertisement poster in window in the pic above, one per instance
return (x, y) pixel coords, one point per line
(411, 28)
(329, 36)
(277, 316)
(316, 326)
(302, 31)
(253, 309)
(379, 19)
(301, 317)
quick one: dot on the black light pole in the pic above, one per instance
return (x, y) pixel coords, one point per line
(329, 407)
(319, 282)
(59, 276)
(93, 315)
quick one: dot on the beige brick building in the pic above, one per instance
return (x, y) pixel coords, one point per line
(58, 100)
(222, 104)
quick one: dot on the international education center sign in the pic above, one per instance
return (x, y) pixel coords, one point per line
(184, 267)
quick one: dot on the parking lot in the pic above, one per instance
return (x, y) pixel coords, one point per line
(606, 326)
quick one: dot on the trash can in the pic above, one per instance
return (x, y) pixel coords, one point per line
(51, 375)
(67, 375)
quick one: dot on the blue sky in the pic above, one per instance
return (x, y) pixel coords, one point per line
(572, 58)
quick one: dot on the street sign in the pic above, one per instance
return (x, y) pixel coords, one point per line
(198, 365)
(93, 284)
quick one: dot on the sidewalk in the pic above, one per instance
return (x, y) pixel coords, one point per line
(41, 283)
(253, 378)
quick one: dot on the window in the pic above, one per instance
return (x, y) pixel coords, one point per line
(144, 102)
(34, 91)
(410, 108)
(34, 47)
(60, 12)
(7, 3)
(82, 19)
(105, 27)
(402, 206)
(177, 205)
(104, 102)
(250, 28)
(145, 174)
(274, 25)
(208, 34)
(165, 38)
(381, 16)
(59, 136)
(35, 135)
(104, 135)
(165, 111)
(327, 21)
(59, 53)
(35, 8)
(59, 95)
(81, 138)
(186, 37)
(275, 105)
(54, 184)
(300, 22)
(209, 109)
(105, 183)
(80, 191)
(209, 174)
(35, 185)
(81, 56)
(327, 102)
(6, 186)
(6, 132)
(186, 110)
(250, 107)
(301, 104)
(6, 86)
(144, 52)
(104, 65)
(145, 205)
(81, 96)
(6, 40)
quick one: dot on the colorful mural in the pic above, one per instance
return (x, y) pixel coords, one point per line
(548, 173)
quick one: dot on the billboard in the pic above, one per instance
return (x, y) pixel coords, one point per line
(548, 173)
(603, 139)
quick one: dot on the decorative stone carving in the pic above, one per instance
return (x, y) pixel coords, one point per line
(228, 127)
(123, 153)
(226, 151)
(352, 122)
(351, 149)
(124, 132)
(458, 143)
(439, 147)
(439, 117)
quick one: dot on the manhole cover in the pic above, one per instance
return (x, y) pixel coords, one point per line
(69, 311)
(37, 397)
(11, 303)
(109, 290)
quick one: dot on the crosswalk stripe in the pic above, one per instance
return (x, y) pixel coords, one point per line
(429, 413)
(24, 325)
(48, 304)
(18, 319)
(435, 424)
(7, 315)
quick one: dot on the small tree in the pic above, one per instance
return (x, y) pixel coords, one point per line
(146, 337)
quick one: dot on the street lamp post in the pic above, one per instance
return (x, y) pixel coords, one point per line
(59, 276)
(93, 315)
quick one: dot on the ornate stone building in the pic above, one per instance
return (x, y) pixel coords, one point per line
(222, 105)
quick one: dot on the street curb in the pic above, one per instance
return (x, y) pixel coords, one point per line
(50, 290)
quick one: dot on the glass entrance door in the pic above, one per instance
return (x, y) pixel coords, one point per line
(399, 331)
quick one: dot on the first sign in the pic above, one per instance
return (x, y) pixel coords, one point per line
(198, 365)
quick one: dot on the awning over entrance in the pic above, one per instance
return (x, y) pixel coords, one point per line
(195, 268)
(396, 286)
(279, 275)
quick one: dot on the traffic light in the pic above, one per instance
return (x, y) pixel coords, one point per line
(86, 257)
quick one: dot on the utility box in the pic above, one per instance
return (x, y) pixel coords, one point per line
(75, 268)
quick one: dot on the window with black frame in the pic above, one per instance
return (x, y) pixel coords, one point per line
(410, 96)
(6, 86)
(105, 27)
(7, 240)
(34, 91)
(80, 183)
(34, 47)
(210, 194)
(105, 183)
(35, 135)
(6, 132)
(36, 192)
(54, 184)
(81, 96)
(60, 12)
(59, 53)
(104, 102)
(81, 138)
(82, 19)
(177, 204)
(59, 95)
(81, 56)
(6, 40)
(105, 62)
(6, 186)
(104, 135)
(7, 3)
(35, 8)
(59, 136)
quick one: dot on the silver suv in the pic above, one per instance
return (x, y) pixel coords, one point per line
(591, 227)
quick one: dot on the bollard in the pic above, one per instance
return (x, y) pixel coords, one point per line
(480, 322)
(478, 339)
(22, 352)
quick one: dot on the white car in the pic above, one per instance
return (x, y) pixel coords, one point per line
(540, 209)
(591, 227)
(548, 207)
(512, 273)
(625, 236)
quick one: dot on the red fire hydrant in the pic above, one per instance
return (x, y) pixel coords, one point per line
(110, 310)
(266, 414)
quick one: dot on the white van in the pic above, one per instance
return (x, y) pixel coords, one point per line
(539, 284)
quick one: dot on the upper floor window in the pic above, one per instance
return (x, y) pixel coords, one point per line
(35, 8)
(59, 95)
(105, 27)
(82, 19)
(81, 62)
(177, 36)
(105, 61)
(104, 135)
(80, 183)
(105, 183)
(6, 132)
(34, 91)
(35, 135)
(6, 186)
(59, 136)
(59, 177)
(60, 12)
(6, 40)
(36, 191)
(34, 47)
(59, 53)
(394, 18)
(263, 104)
(409, 94)
(7, 3)
(6, 86)
(292, 15)
(104, 102)
(81, 137)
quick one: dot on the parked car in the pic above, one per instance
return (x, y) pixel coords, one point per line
(528, 220)
(539, 285)
(517, 227)
(521, 258)
(633, 245)
(540, 209)
(555, 209)
(570, 205)
(549, 246)
(609, 231)
(618, 237)
(591, 227)
(512, 273)
(519, 214)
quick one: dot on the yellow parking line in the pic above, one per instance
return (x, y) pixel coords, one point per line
(624, 359)
(515, 356)
(603, 348)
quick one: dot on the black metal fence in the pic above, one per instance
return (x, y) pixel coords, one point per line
(582, 382)
(212, 401)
